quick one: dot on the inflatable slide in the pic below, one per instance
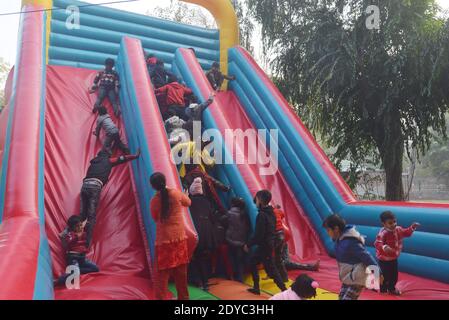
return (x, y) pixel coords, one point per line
(46, 144)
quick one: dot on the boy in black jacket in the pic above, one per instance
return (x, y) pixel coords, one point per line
(96, 177)
(263, 238)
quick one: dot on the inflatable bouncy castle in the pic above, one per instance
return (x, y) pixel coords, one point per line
(46, 144)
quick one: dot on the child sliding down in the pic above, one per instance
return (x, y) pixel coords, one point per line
(74, 240)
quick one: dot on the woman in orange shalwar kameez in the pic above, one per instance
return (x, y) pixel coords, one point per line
(172, 256)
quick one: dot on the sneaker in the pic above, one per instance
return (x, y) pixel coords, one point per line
(394, 292)
(316, 266)
(254, 291)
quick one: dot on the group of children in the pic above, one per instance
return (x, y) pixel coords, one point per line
(353, 258)
(223, 234)
(77, 237)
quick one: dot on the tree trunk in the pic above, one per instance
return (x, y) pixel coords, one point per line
(394, 189)
(390, 143)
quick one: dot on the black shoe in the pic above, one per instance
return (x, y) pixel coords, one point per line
(394, 292)
(254, 291)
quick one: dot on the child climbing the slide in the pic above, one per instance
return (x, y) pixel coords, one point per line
(175, 95)
(158, 74)
(216, 78)
(352, 256)
(195, 111)
(174, 127)
(74, 241)
(105, 122)
(264, 239)
(151, 61)
(388, 248)
(171, 240)
(97, 176)
(303, 288)
(107, 82)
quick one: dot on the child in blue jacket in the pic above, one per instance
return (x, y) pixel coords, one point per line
(352, 256)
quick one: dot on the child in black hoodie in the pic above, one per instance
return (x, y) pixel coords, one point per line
(263, 238)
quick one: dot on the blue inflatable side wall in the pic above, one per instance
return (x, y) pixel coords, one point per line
(228, 173)
(101, 30)
(425, 254)
(142, 167)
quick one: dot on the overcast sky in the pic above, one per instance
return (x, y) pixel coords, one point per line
(9, 24)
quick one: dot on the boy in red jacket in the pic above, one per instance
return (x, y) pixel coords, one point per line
(175, 94)
(388, 248)
(74, 240)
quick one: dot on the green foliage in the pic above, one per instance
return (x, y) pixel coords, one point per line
(370, 93)
(436, 162)
(185, 13)
(4, 71)
(246, 25)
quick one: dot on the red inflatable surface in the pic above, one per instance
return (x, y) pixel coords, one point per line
(119, 248)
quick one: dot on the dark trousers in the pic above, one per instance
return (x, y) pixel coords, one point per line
(279, 246)
(180, 111)
(238, 261)
(90, 197)
(85, 266)
(290, 265)
(265, 256)
(200, 268)
(118, 143)
(104, 92)
(390, 273)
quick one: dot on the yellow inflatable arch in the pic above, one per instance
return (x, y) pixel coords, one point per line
(222, 10)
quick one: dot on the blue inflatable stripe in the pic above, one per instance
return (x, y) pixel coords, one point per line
(432, 220)
(139, 19)
(43, 287)
(98, 58)
(163, 47)
(142, 167)
(90, 22)
(271, 106)
(58, 62)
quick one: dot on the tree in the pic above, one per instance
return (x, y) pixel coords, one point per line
(185, 13)
(194, 15)
(246, 25)
(375, 93)
(4, 71)
(437, 159)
